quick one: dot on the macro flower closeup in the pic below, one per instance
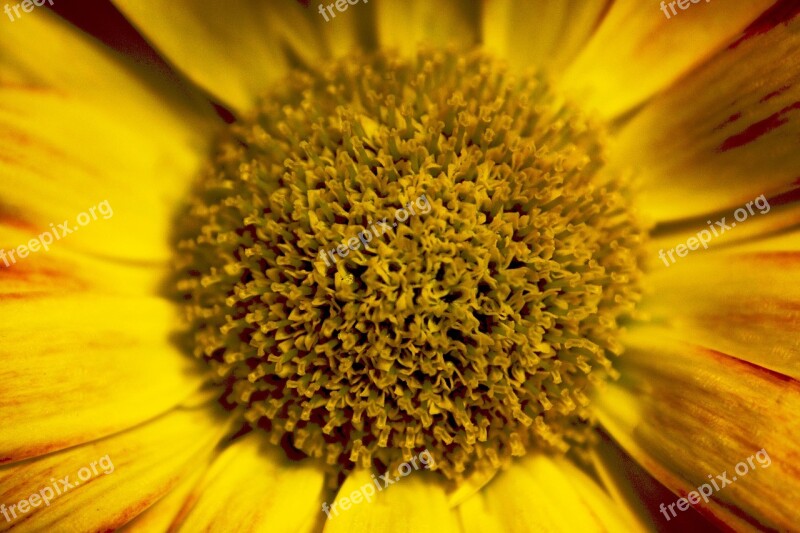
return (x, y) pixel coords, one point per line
(383, 265)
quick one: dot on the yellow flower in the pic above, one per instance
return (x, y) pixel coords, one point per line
(129, 209)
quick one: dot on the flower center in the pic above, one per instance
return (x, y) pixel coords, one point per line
(473, 326)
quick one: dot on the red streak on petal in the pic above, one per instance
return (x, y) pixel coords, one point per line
(773, 94)
(731, 119)
(780, 13)
(788, 197)
(754, 131)
(749, 368)
(782, 259)
(21, 295)
(11, 221)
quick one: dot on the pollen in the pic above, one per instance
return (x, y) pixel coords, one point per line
(477, 329)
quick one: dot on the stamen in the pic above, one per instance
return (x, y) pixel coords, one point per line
(474, 329)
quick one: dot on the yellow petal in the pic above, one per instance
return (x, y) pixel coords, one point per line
(254, 487)
(76, 368)
(475, 517)
(167, 511)
(539, 493)
(414, 503)
(743, 303)
(55, 269)
(637, 51)
(69, 62)
(725, 134)
(467, 488)
(687, 413)
(75, 174)
(352, 30)
(633, 490)
(546, 34)
(771, 217)
(440, 23)
(780, 242)
(235, 50)
(80, 127)
(134, 469)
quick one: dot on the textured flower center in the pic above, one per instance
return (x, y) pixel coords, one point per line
(474, 328)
